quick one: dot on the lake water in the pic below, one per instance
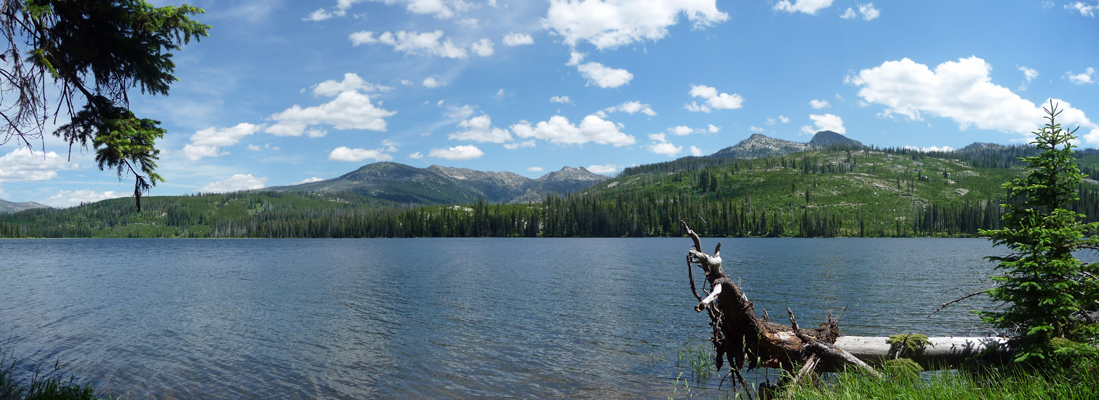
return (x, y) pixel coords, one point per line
(438, 318)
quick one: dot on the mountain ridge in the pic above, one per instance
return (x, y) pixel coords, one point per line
(437, 184)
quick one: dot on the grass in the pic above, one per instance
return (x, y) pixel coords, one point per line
(51, 386)
(951, 385)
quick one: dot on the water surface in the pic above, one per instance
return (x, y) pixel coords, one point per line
(429, 318)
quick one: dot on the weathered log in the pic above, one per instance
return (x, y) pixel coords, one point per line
(941, 353)
(739, 335)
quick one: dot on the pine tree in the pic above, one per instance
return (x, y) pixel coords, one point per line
(1047, 292)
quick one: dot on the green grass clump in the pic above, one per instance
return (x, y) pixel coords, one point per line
(953, 385)
(48, 387)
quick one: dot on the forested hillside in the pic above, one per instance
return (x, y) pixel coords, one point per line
(823, 193)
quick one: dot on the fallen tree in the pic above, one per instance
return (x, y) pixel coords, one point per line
(746, 340)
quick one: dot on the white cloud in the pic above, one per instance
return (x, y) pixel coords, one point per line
(818, 104)
(349, 110)
(517, 39)
(407, 82)
(1084, 9)
(483, 48)
(868, 11)
(1083, 77)
(480, 129)
(416, 156)
(575, 58)
(695, 151)
(519, 145)
(1028, 73)
(960, 90)
(69, 198)
(930, 149)
(254, 147)
(713, 129)
(660, 145)
(755, 129)
(604, 76)
(714, 100)
(205, 143)
(535, 169)
(344, 153)
(350, 81)
(681, 130)
(826, 122)
(560, 99)
(783, 119)
(457, 153)
(426, 43)
(611, 23)
(235, 183)
(805, 6)
(322, 14)
(431, 83)
(559, 130)
(442, 9)
(849, 14)
(632, 107)
(310, 180)
(604, 169)
(22, 165)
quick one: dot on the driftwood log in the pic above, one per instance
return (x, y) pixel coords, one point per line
(740, 337)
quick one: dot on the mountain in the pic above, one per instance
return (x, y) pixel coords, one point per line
(9, 207)
(760, 146)
(828, 138)
(447, 185)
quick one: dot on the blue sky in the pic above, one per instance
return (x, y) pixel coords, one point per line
(287, 91)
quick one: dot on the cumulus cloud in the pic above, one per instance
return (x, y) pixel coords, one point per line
(695, 151)
(961, 91)
(480, 129)
(559, 130)
(681, 130)
(322, 14)
(783, 119)
(235, 183)
(349, 110)
(483, 48)
(604, 169)
(826, 122)
(868, 11)
(344, 153)
(631, 107)
(560, 99)
(714, 100)
(713, 129)
(849, 14)
(431, 83)
(535, 169)
(517, 39)
(416, 156)
(350, 81)
(23, 165)
(1029, 74)
(659, 145)
(818, 104)
(206, 143)
(415, 43)
(310, 180)
(604, 76)
(1083, 78)
(457, 153)
(70, 198)
(1086, 10)
(755, 129)
(607, 24)
(805, 6)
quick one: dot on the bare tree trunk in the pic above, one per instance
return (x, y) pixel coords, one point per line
(739, 336)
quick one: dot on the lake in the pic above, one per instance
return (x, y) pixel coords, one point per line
(439, 318)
